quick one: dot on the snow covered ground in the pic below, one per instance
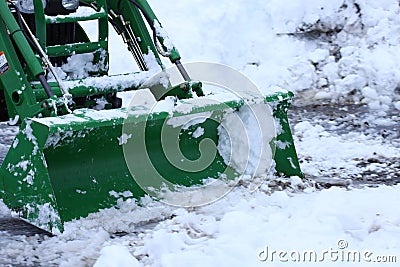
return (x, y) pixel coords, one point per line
(344, 51)
(231, 232)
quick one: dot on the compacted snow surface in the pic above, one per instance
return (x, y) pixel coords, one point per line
(341, 52)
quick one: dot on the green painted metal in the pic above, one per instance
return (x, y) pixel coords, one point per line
(20, 40)
(285, 158)
(69, 49)
(65, 166)
(182, 91)
(40, 23)
(100, 47)
(97, 15)
(59, 169)
(19, 96)
(26, 186)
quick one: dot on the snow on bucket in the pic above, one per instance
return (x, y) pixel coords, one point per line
(208, 143)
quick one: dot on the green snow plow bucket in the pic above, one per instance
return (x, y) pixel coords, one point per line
(62, 168)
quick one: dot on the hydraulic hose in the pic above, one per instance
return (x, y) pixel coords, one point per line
(178, 63)
(146, 16)
(46, 85)
(41, 77)
(20, 40)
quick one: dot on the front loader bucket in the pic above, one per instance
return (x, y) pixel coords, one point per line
(63, 168)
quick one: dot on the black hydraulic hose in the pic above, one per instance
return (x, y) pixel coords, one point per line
(46, 85)
(146, 16)
(116, 26)
(83, 3)
(18, 14)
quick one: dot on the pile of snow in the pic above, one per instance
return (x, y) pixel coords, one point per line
(4, 211)
(340, 50)
(116, 256)
(250, 131)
